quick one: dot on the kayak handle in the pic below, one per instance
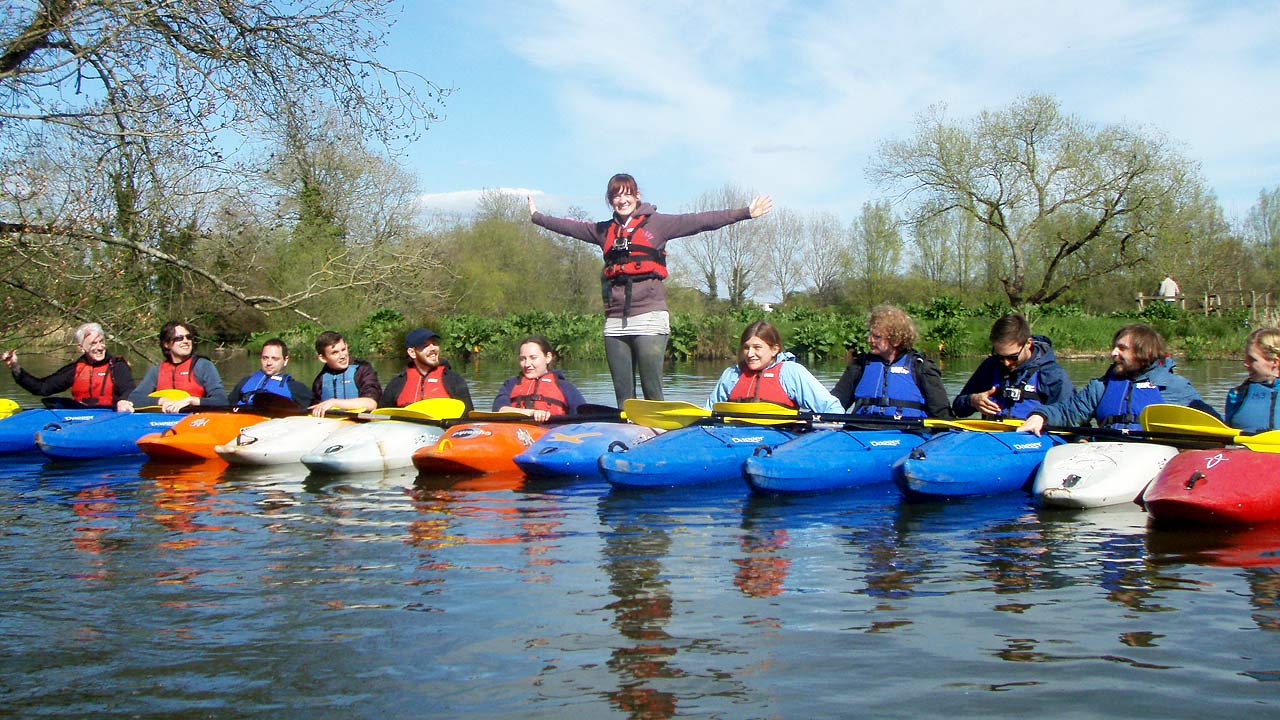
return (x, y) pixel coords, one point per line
(617, 446)
(762, 451)
(1196, 477)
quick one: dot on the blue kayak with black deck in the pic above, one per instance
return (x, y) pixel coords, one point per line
(18, 432)
(111, 435)
(963, 464)
(830, 460)
(694, 455)
(575, 449)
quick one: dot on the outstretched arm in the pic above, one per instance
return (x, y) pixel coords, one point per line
(760, 205)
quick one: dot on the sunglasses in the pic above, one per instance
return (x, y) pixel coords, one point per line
(180, 338)
(1011, 357)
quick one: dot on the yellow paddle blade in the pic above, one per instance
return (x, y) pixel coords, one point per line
(743, 412)
(975, 425)
(487, 415)
(8, 407)
(170, 394)
(663, 414)
(1187, 421)
(430, 409)
(1262, 442)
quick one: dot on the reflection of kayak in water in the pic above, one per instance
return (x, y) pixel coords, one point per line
(1095, 474)
(18, 432)
(371, 447)
(195, 436)
(1257, 546)
(479, 447)
(575, 450)
(1229, 486)
(110, 435)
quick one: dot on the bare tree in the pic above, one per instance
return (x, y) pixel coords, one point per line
(116, 118)
(1047, 184)
(825, 254)
(782, 244)
(877, 248)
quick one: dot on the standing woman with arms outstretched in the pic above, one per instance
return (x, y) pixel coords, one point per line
(636, 321)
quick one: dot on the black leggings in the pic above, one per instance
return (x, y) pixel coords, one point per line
(628, 353)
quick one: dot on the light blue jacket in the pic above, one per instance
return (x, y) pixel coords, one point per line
(1079, 409)
(800, 385)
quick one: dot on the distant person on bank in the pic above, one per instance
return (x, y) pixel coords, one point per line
(1169, 289)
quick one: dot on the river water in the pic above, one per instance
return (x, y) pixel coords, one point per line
(132, 589)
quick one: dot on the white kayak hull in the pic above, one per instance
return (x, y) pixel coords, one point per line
(371, 447)
(280, 441)
(1097, 474)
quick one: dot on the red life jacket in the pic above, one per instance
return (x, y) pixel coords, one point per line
(540, 393)
(179, 377)
(634, 254)
(764, 386)
(430, 385)
(94, 384)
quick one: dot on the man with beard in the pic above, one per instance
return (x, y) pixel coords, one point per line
(428, 376)
(1141, 374)
(95, 379)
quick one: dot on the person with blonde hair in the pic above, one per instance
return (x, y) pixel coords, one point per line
(893, 379)
(1252, 405)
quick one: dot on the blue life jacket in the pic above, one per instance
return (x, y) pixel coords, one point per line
(1252, 407)
(341, 386)
(889, 390)
(1122, 402)
(262, 382)
(1018, 394)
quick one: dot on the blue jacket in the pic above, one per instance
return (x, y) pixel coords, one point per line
(1051, 382)
(1079, 409)
(1252, 407)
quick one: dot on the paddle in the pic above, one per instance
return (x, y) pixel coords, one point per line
(670, 414)
(586, 413)
(432, 411)
(1189, 422)
(8, 407)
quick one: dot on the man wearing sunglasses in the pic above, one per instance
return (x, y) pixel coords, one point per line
(1019, 376)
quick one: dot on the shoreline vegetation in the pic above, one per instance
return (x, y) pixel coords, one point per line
(948, 329)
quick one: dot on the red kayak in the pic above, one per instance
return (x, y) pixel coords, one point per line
(480, 447)
(1231, 486)
(195, 436)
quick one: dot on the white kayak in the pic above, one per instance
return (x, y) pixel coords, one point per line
(279, 441)
(371, 447)
(1095, 474)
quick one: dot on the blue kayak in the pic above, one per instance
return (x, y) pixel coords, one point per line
(693, 455)
(18, 432)
(111, 435)
(830, 460)
(576, 449)
(959, 464)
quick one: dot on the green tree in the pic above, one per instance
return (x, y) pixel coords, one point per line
(1047, 185)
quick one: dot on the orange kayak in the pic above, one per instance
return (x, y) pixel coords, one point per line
(480, 447)
(195, 436)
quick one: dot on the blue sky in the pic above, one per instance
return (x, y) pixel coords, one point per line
(793, 98)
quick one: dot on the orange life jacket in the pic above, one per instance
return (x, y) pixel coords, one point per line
(94, 384)
(179, 377)
(430, 385)
(540, 393)
(763, 386)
